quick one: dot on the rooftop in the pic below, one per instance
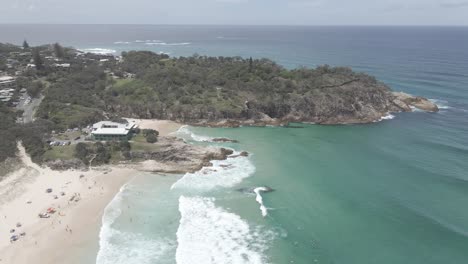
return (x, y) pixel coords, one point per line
(111, 128)
(6, 78)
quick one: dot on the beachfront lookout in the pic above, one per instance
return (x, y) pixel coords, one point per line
(107, 130)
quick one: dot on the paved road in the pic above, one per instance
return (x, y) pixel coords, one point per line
(30, 109)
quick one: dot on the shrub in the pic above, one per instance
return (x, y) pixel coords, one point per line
(151, 138)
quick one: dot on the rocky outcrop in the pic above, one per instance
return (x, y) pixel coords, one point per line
(173, 155)
(406, 102)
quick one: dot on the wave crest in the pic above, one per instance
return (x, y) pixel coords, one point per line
(209, 234)
(223, 173)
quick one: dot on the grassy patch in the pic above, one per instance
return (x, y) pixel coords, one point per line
(139, 138)
(143, 146)
(59, 152)
(69, 135)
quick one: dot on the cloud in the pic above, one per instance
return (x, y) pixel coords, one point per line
(454, 4)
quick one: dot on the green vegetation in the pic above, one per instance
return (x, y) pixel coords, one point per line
(35, 89)
(151, 135)
(62, 152)
(186, 89)
(98, 153)
(7, 133)
(59, 51)
(37, 58)
(25, 45)
(212, 88)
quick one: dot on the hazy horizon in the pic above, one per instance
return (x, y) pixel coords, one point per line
(238, 12)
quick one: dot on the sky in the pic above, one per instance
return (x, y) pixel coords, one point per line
(237, 12)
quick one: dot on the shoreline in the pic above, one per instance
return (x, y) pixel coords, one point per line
(73, 230)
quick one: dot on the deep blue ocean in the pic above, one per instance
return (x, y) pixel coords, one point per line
(395, 191)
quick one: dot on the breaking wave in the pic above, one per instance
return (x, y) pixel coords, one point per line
(147, 41)
(223, 173)
(99, 51)
(441, 104)
(387, 117)
(185, 133)
(121, 42)
(121, 247)
(259, 199)
(210, 234)
(168, 44)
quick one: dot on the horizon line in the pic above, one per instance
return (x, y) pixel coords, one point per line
(235, 25)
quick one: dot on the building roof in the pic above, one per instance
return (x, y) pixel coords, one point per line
(111, 128)
(64, 65)
(6, 79)
(110, 131)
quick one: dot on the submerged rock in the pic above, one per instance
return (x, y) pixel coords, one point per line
(251, 190)
(224, 140)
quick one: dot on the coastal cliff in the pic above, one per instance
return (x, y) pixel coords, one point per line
(230, 92)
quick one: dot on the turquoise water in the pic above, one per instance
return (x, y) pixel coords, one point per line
(389, 192)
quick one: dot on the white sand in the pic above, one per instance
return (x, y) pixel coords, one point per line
(165, 127)
(50, 240)
(47, 239)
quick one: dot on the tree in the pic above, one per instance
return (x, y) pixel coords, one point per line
(38, 59)
(125, 146)
(59, 51)
(151, 138)
(35, 89)
(81, 152)
(250, 64)
(102, 154)
(25, 45)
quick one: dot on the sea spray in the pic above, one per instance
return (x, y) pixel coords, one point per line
(223, 173)
(99, 51)
(210, 234)
(387, 117)
(259, 199)
(185, 133)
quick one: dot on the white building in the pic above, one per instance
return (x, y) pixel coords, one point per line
(107, 130)
(6, 82)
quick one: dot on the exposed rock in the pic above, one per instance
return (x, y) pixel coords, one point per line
(176, 156)
(242, 154)
(250, 190)
(406, 101)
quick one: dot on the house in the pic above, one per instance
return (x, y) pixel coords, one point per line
(62, 65)
(107, 130)
(6, 82)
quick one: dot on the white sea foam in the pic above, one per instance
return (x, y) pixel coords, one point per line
(259, 199)
(223, 173)
(121, 42)
(387, 117)
(119, 247)
(168, 44)
(209, 234)
(100, 51)
(186, 133)
(441, 104)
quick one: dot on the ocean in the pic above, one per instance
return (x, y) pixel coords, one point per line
(394, 191)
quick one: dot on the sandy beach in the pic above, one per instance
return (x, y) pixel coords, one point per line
(165, 127)
(77, 197)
